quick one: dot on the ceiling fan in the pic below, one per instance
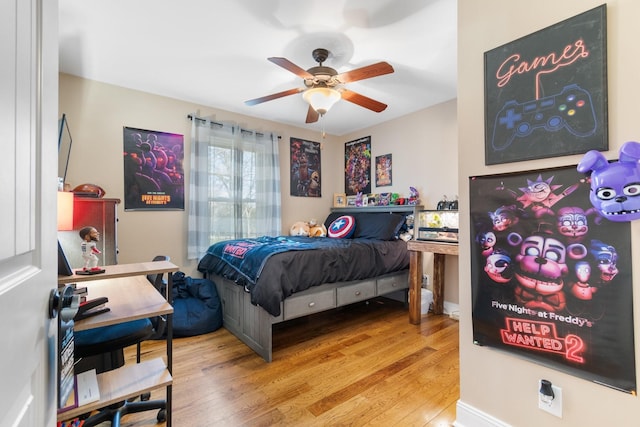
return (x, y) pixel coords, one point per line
(323, 86)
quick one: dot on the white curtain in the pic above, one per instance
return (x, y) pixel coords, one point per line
(248, 204)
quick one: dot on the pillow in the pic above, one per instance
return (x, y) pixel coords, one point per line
(332, 217)
(342, 227)
(380, 226)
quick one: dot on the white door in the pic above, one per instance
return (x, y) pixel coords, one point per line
(28, 163)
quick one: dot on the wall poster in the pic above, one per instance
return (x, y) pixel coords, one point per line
(383, 170)
(305, 168)
(357, 166)
(153, 170)
(551, 278)
(546, 93)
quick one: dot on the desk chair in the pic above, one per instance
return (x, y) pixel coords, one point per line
(102, 349)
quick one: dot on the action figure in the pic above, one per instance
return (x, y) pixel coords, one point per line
(90, 236)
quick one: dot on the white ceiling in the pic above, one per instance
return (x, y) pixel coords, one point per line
(214, 53)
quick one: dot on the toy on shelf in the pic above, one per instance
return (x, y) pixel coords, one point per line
(414, 196)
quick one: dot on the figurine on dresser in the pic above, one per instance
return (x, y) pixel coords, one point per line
(90, 251)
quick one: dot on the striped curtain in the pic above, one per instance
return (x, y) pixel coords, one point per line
(253, 213)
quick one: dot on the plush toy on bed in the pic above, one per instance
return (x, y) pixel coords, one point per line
(317, 230)
(310, 228)
(299, 228)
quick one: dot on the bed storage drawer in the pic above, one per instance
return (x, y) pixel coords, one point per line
(301, 304)
(393, 283)
(357, 292)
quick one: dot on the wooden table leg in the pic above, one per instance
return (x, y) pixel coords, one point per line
(438, 283)
(415, 285)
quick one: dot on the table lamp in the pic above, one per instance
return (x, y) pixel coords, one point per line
(65, 211)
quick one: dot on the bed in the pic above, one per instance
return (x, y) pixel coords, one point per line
(269, 280)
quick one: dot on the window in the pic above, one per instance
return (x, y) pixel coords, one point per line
(235, 185)
(227, 222)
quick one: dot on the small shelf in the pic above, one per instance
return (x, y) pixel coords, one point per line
(122, 270)
(388, 208)
(123, 383)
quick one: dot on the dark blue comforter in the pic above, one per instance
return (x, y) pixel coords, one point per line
(273, 268)
(248, 256)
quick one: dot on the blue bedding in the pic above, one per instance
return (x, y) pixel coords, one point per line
(248, 256)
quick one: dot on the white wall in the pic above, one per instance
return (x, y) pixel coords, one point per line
(502, 386)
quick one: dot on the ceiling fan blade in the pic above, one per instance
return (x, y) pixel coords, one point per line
(363, 101)
(273, 96)
(374, 70)
(290, 66)
(312, 115)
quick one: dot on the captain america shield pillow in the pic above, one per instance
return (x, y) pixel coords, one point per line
(342, 227)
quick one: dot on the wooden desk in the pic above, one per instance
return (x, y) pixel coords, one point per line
(131, 296)
(439, 250)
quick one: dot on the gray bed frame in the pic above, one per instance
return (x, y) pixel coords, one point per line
(253, 325)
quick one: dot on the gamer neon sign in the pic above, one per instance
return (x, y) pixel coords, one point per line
(545, 64)
(542, 336)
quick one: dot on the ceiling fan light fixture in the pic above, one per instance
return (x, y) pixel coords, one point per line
(321, 99)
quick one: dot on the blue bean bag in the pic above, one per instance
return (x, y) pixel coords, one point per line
(196, 306)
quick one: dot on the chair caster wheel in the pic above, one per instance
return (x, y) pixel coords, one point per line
(145, 396)
(162, 415)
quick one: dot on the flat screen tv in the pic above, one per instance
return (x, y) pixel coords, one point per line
(64, 269)
(64, 147)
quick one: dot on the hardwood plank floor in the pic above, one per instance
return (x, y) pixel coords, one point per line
(361, 365)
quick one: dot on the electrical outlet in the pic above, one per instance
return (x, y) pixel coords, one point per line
(554, 407)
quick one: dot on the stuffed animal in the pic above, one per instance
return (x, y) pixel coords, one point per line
(299, 228)
(310, 228)
(317, 230)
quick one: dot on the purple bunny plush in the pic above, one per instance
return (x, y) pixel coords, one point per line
(615, 186)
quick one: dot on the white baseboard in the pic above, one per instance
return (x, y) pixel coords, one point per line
(452, 309)
(468, 416)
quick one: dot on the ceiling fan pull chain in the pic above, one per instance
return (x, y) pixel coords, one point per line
(323, 134)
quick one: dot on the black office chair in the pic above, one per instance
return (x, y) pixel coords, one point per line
(160, 322)
(102, 349)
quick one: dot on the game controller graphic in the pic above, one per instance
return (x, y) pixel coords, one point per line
(571, 109)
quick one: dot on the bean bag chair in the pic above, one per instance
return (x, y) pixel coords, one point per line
(196, 306)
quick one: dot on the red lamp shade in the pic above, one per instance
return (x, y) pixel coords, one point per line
(65, 211)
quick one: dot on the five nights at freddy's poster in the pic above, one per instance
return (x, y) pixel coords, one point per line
(551, 278)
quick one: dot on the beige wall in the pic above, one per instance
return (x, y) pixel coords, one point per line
(424, 154)
(423, 146)
(501, 385)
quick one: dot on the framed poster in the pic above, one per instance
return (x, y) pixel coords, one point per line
(552, 279)
(153, 170)
(546, 93)
(357, 166)
(383, 170)
(305, 168)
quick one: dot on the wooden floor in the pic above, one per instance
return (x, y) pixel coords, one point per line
(362, 365)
